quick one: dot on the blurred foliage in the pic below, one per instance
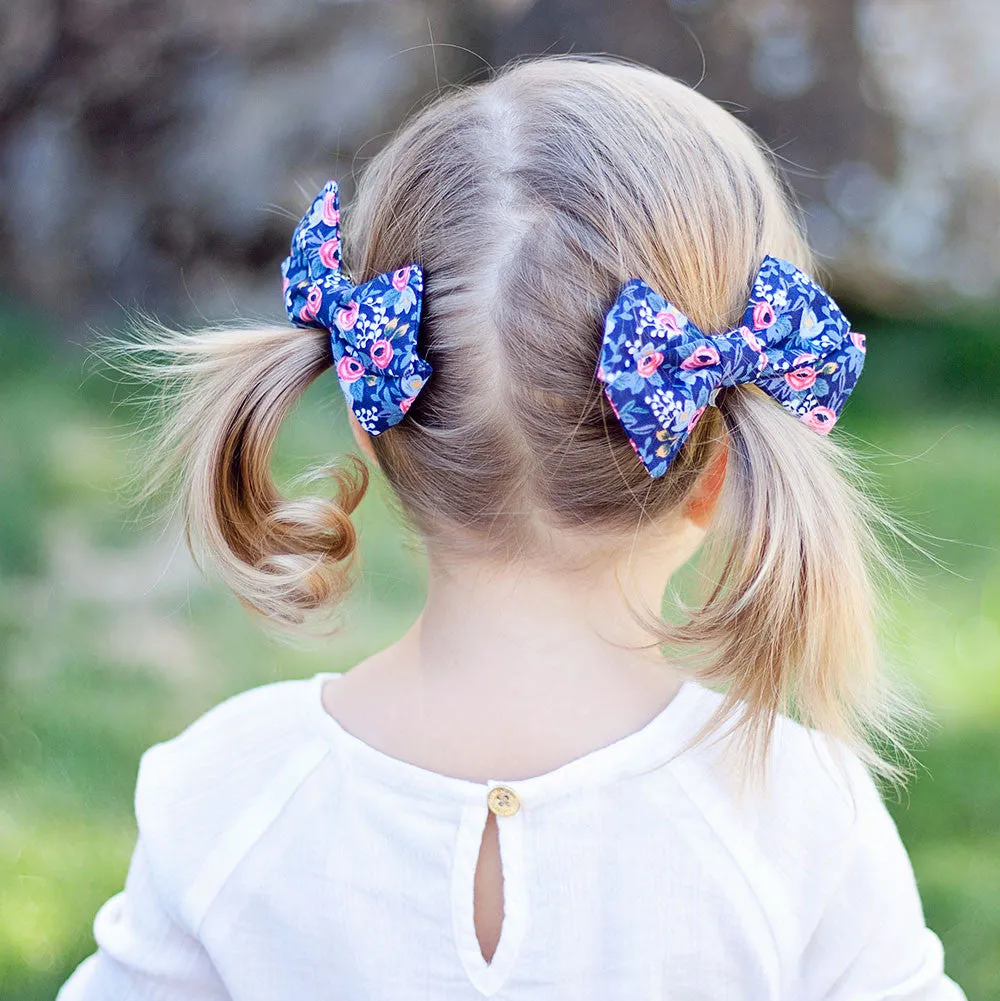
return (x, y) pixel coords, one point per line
(110, 640)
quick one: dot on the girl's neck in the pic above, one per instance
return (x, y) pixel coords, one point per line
(481, 623)
(514, 670)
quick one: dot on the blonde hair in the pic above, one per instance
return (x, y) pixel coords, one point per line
(529, 200)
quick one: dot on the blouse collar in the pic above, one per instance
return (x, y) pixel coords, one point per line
(650, 747)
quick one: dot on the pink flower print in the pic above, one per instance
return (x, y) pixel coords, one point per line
(405, 405)
(346, 318)
(803, 359)
(648, 363)
(820, 419)
(695, 417)
(381, 352)
(331, 215)
(400, 278)
(600, 373)
(858, 341)
(328, 254)
(752, 340)
(702, 356)
(763, 315)
(667, 320)
(801, 378)
(762, 361)
(349, 369)
(284, 284)
(314, 299)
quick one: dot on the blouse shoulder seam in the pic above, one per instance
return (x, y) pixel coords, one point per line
(249, 826)
(717, 827)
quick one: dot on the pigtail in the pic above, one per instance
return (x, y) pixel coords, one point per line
(797, 570)
(224, 394)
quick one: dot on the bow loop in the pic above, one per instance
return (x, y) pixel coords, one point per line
(373, 327)
(660, 371)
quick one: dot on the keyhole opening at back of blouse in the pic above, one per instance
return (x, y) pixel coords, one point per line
(488, 890)
(490, 844)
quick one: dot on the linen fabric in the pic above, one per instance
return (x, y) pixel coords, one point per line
(660, 371)
(279, 856)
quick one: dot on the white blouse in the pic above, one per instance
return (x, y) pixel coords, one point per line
(281, 857)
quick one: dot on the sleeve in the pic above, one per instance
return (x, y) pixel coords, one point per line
(192, 793)
(871, 942)
(142, 950)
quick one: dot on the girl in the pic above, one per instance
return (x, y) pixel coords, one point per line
(580, 335)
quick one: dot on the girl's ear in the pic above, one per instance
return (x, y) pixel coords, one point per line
(362, 437)
(700, 505)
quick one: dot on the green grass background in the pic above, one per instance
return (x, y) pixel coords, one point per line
(110, 640)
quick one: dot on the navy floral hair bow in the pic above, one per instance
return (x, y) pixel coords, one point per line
(660, 371)
(373, 327)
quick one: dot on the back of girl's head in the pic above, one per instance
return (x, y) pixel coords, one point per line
(528, 201)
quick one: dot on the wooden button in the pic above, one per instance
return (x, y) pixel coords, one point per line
(503, 802)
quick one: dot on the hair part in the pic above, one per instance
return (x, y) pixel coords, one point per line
(529, 200)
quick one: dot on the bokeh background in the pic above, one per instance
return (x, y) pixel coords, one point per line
(156, 154)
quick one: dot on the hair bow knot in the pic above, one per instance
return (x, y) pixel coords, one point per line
(373, 327)
(660, 371)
